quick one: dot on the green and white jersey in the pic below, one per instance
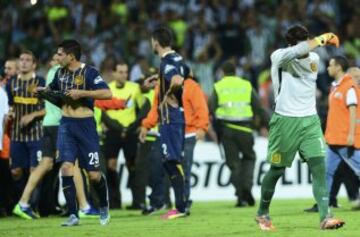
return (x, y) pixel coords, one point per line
(53, 113)
(294, 80)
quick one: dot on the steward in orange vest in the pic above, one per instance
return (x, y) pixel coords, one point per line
(342, 132)
(339, 126)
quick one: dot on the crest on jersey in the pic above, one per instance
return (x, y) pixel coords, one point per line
(314, 67)
(31, 87)
(79, 80)
(276, 158)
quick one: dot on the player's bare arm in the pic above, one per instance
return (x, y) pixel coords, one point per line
(28, 118)
(352, 127)
(300, 49)
(102, 94)
(83, 111)
(176, 83)
(151, 81)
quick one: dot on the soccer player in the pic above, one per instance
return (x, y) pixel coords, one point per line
(26, 132)
(295, 125)
(50, 126)
(172, 72)
(77, 135)
(196, 115)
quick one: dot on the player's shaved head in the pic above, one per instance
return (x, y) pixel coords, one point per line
(355, 74)
(353, 70)
(10, 67)
(296, 34)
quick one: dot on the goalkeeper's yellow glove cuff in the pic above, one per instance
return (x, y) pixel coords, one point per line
(320, 40)
(327, 39)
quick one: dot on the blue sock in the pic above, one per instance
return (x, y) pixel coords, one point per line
(70, 193)
(102, 191)
(19, 186)
(176, 176)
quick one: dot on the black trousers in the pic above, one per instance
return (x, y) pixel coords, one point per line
(240, 158)
(7, 201)
(142, 172)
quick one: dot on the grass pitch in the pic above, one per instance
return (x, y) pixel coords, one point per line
(208, 219)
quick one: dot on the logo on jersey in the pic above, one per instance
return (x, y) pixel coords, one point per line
(79, 80)
(98, 79)
(314, 67)
(276, 158)
(168, 68)
(31, 87)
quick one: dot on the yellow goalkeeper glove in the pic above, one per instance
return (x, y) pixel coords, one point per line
(327, 39)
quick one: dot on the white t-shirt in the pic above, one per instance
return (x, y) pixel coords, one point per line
(4, 109)
(294, 80)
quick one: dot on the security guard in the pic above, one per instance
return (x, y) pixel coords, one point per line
(234, 104)
(145, 150)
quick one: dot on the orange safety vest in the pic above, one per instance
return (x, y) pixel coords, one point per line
(337, 126)
(5, 152)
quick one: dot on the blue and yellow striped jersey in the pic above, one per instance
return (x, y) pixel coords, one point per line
(23, 102)
(84, 78)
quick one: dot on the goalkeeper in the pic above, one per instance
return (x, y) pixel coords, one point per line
(295, 125)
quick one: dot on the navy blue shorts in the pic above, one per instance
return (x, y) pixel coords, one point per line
(25, 154)
(78, 139)
(172, 136)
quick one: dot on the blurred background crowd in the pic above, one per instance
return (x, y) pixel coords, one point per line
(207, 32)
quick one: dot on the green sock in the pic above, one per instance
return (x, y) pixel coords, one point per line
(317, 168)
(268, 188)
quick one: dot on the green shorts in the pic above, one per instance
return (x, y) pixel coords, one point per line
(289, 135)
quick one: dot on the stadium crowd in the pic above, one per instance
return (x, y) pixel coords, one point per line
(207, 32)
(114, 36)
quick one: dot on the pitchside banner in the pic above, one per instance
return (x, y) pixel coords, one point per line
(211, 177)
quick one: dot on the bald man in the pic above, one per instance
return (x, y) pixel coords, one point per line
(10, 68)
(355, 74)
